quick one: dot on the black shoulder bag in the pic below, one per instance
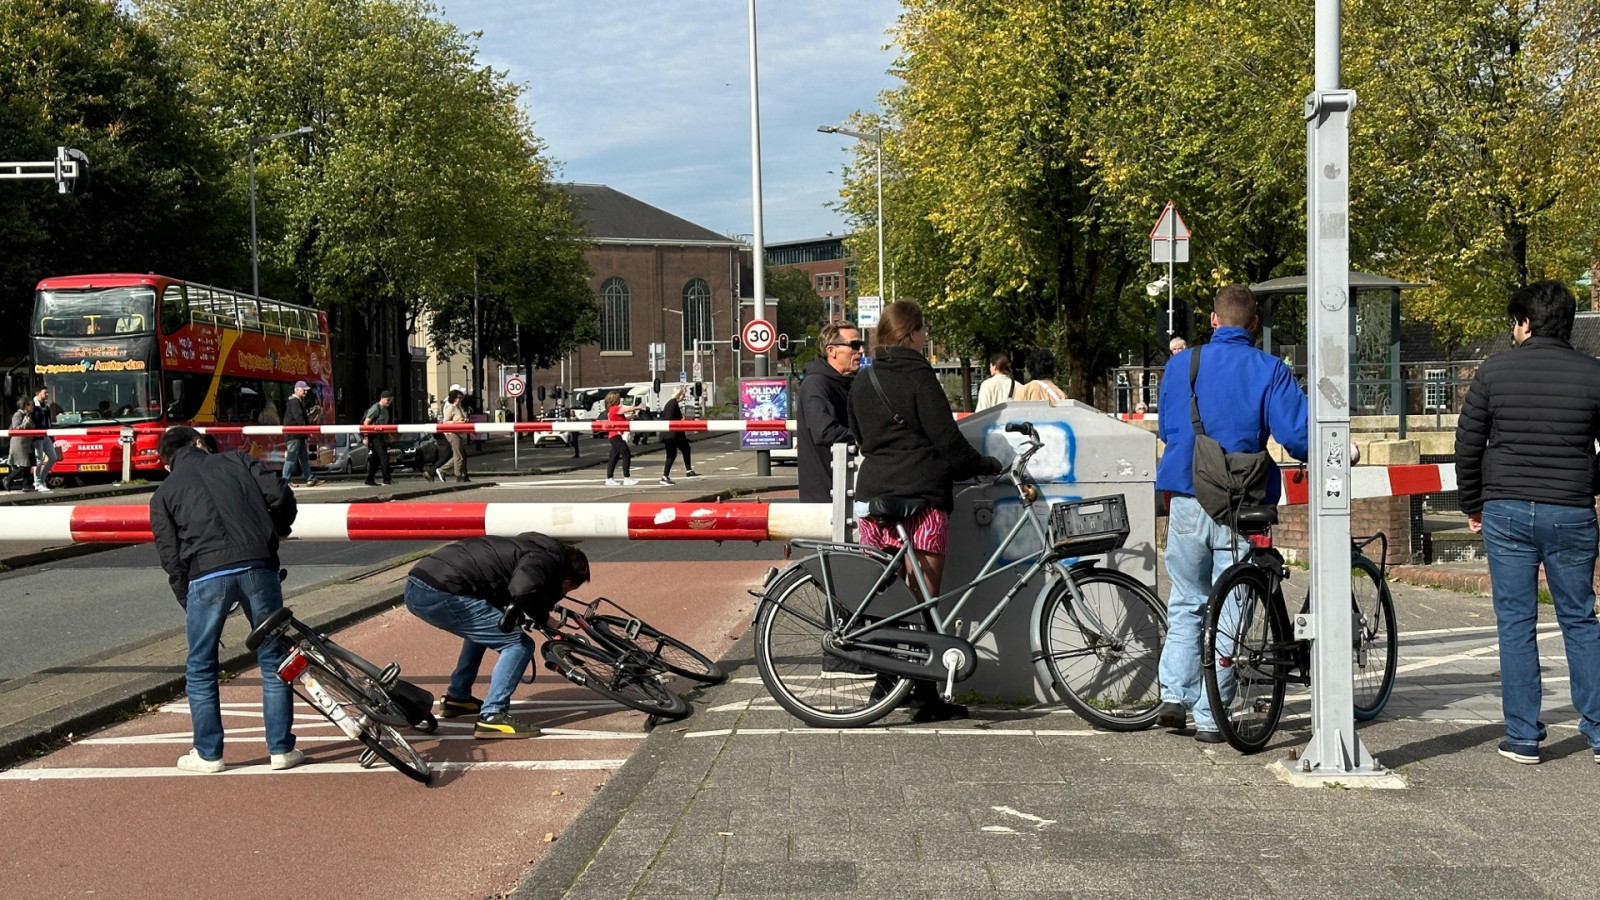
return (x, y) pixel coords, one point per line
(1224, 483)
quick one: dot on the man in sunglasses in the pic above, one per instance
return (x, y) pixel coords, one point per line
(824, 396)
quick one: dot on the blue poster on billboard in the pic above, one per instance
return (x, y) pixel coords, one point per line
(763, 399)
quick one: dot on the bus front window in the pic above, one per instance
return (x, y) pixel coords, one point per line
(95, 397)
(94, 312)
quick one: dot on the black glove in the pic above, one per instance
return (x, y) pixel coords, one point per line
(993, 466)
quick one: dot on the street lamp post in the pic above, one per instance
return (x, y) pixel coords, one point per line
(876, 139)
(255, 265)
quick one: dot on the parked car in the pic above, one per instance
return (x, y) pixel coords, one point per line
(340, 454)
(414, 451)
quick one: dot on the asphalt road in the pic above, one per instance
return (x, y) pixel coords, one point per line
(73, 611)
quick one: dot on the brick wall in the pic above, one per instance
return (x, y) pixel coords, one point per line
(1390, 515)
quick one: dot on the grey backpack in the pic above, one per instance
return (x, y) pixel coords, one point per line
(1224, 483)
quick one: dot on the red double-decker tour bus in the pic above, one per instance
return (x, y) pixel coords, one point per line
(148, 351)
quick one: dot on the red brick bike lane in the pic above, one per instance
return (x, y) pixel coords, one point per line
(111, 816)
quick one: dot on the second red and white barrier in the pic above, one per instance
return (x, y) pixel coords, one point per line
(596, 427)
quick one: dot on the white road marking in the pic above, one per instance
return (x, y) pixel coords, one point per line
(309, 768)
(906, 729)
(1036, 820)
(184, 737)
(1470, 629)
(999, 829)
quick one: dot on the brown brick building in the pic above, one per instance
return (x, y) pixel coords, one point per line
(658, 278)
(832, 271)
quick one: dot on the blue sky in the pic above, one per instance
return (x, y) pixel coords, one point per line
(653, 98)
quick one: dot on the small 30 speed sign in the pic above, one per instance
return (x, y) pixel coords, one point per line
(759, 335)
(515, 386)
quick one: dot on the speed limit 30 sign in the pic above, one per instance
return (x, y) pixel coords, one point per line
(515, 386)
(759, 335)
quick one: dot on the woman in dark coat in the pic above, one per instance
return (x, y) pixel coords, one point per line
(910, 448)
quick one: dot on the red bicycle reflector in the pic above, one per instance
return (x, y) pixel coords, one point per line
(291, 667)
(1261, 541)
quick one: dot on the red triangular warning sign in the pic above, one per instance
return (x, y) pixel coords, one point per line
(1170, 226)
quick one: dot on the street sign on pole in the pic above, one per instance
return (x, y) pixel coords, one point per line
(868, 309)
(759, 335)
(1169, 240)
(1169, 243)
(516, 386)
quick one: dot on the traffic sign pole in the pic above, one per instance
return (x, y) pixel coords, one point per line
(515, 387)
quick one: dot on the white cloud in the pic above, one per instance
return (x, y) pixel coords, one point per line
(653, 98)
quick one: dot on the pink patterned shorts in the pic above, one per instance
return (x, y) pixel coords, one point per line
(930, 532)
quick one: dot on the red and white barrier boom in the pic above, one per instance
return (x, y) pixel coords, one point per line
(580, 521)
(596, 427)
(452, 521)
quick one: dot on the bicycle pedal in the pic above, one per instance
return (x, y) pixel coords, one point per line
(390, 673)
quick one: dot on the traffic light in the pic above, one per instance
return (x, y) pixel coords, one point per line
(79, 182)
(738, 344)
(783, 344)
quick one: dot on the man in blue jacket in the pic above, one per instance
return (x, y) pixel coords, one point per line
(1243, 395)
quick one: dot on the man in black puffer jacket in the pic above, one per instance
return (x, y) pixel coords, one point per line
(217, 519)
(1525, 465)
(823, 408)
(464, 587)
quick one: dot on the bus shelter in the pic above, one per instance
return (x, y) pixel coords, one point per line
(1361, 345)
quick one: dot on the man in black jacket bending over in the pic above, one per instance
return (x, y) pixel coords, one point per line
(464, 587)
(217, 519)
(824, 396)
(1525, 465)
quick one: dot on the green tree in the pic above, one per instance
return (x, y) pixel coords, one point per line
(1475, 147)
(993, 148)
(801, 311)
(83, 73)
(422, 171)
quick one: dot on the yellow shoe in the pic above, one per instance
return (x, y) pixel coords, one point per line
(503, 726)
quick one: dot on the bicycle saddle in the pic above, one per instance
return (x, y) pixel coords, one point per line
(1257, 519)
(889, 510)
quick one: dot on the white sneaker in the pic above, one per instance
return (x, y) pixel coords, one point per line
(288, 760)
(630, 481)
(43, 489)
(193, 762)
(612, 482)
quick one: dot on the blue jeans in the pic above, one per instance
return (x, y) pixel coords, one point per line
(258, 591)
(1519, 535)
(477, 623)
(296, 455)
(1198, 550)
(44, 459)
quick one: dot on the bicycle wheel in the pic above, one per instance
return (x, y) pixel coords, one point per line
(814, 687)
(615, 677)
(1244, 657)
(1376, 639)
(378, 736)
(390, 746)
(677, 656)
(1104, 654)
(361, 675)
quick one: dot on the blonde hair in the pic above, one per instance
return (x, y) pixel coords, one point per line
(901, 319)
(612, 399)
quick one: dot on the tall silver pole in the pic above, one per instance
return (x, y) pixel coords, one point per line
(1335, 750)
(1172, 258)
(255, 268)
(758, 254)
(884, 297)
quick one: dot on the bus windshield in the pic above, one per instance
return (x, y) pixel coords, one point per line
(94, 311)
(92, 398)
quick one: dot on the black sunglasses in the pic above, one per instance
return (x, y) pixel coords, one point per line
(853, 345)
